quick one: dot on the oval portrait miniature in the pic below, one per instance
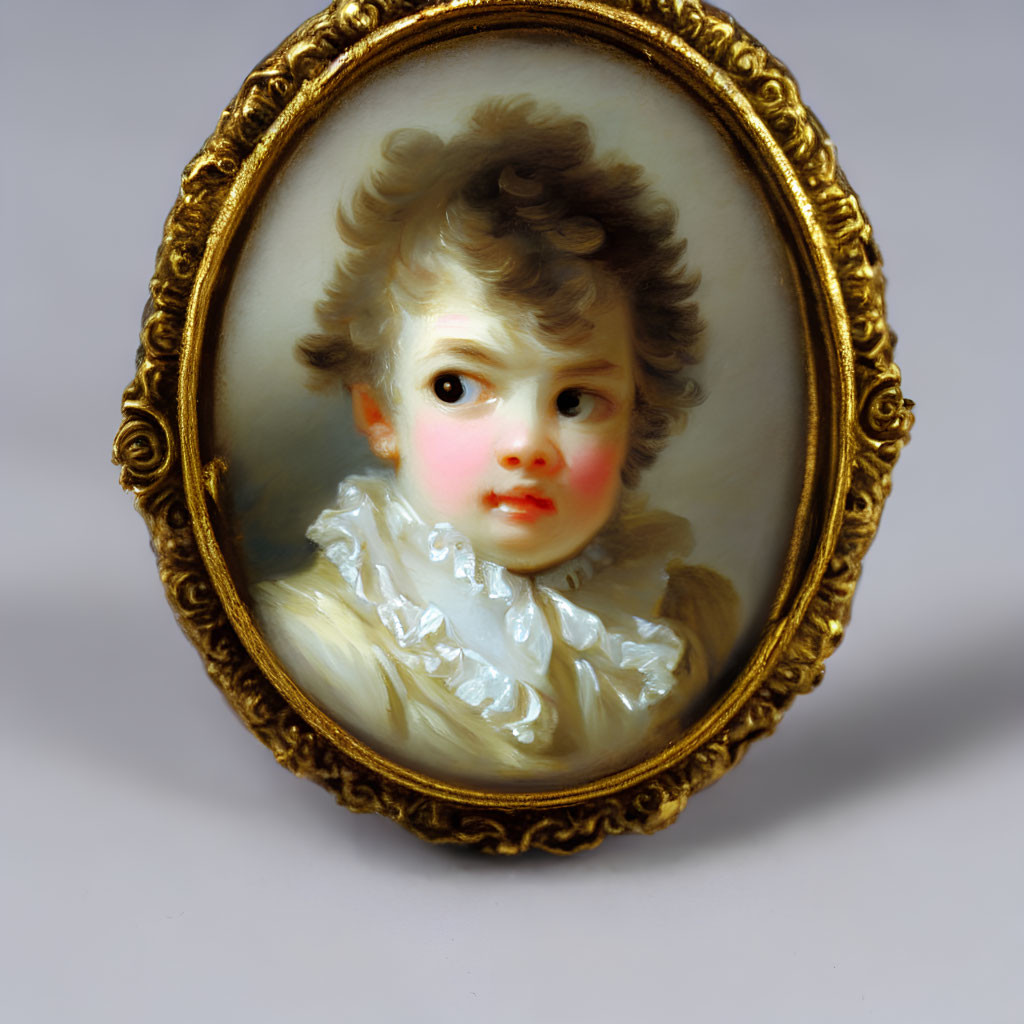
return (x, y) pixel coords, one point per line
(532, 409)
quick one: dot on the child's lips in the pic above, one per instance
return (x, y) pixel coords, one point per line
(521, 502)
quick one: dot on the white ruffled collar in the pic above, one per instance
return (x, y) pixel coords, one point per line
(522, 650)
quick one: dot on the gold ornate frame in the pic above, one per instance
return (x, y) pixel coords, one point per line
(860, 419)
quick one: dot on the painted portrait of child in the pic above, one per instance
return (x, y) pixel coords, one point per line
(496, 603)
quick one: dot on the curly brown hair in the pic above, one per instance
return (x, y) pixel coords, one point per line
(519, 201)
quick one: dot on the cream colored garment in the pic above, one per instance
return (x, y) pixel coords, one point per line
(460, 668)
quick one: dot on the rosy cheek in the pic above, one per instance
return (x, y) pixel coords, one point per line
(452, 459)
(594, 470)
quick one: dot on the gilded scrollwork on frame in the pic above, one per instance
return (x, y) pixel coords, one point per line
(152, 450)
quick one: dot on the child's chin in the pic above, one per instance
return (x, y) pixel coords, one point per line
(534, 559)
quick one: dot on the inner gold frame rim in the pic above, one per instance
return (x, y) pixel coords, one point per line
(649, 43)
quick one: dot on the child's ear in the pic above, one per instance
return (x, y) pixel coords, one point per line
(372, 421)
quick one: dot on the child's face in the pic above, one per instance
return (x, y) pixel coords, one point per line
(517, 443)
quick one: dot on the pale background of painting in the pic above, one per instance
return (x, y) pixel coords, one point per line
(734, 472)
(156, 865)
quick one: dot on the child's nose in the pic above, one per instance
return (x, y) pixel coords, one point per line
(528, 446)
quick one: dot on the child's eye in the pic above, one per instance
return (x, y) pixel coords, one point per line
(576, 404)
(456, 389)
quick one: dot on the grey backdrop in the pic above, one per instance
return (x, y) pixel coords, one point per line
(157, 865)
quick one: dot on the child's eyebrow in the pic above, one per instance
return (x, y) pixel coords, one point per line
(596, 367)
(466, 349)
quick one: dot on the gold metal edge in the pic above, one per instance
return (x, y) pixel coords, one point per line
(145, 448)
